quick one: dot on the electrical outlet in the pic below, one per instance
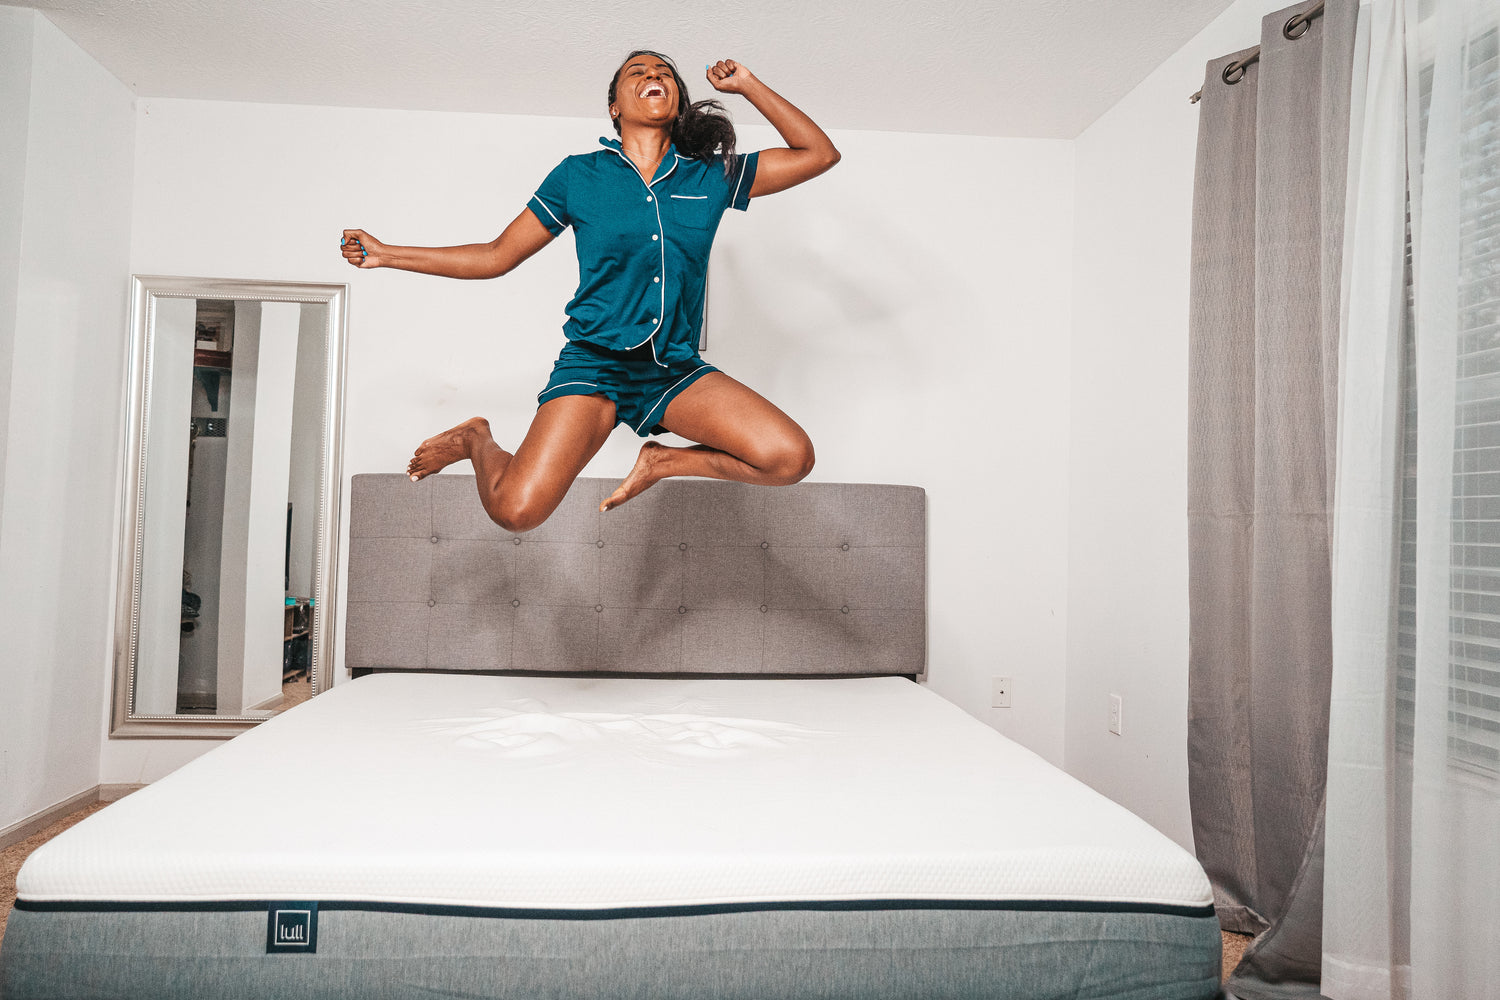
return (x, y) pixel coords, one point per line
(1001, 695)
(1116, 709)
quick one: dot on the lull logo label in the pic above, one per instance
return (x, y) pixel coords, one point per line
(292, 927)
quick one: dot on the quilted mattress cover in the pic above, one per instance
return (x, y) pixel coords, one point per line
(566, 794)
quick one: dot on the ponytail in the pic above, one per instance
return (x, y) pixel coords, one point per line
(704, 132)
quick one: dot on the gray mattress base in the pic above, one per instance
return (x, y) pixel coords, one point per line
(788, 954)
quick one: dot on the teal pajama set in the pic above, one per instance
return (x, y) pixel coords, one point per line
(635, 322)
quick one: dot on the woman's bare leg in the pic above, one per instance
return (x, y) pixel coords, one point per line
(520, 491)
(742, 437)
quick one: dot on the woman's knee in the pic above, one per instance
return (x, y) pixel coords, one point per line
(789, 460)
(518, 511)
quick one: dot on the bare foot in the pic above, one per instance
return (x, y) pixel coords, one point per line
(442, 450)
(648, 471)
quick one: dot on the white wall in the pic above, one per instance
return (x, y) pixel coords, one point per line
(15, 123)
(911, 309)
(1127, 538)
(67, 305)
(168, 442)
(270, 469)
(258, 462)
(307, 447)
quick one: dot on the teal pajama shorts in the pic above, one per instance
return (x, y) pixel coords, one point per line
(640, 388)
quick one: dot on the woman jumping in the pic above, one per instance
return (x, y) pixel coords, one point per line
(644, 211)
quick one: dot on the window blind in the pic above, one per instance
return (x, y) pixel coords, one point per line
(1474, 587)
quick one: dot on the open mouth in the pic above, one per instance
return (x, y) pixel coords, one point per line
(652, 89)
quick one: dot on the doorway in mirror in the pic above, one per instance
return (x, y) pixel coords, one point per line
(231, 522)
(241, 367)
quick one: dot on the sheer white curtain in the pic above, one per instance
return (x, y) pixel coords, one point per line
(1412, 891)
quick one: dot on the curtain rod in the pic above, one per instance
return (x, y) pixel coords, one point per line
(1295, 27)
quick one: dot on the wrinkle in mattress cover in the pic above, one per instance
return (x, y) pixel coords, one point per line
(527, 728)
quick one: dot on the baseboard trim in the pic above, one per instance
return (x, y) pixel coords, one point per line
(270, 704)
(36, 823)
(114, 793)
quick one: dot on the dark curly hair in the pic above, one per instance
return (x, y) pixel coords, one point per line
(702, 131)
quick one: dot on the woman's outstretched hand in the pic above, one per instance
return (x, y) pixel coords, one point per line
(361, 249)
(729, 77)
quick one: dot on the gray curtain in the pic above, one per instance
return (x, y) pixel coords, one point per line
(1268, 209)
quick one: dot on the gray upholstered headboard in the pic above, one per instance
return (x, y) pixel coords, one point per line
(690, 577)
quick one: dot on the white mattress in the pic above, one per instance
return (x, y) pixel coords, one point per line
(562, 793)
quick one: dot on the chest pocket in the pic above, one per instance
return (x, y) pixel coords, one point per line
(693, 211)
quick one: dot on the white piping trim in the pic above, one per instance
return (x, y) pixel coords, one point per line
(561, 384)
(744, 162)
(690, 197)
(664, 176)
(542, 203)
(664, 395)
(661, 311)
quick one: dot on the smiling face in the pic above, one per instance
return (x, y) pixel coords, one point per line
(646, 91)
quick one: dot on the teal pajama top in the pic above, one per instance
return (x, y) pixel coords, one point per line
(642, 248)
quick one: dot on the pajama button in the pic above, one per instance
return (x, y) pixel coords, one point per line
(648, 197)
(657, 280)
(654, 237)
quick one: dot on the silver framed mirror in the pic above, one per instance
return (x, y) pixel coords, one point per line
(230, 516)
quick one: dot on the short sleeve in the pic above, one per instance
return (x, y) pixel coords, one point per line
(743, 177)
(550, 203)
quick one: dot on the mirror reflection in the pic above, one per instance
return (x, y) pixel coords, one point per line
(235, 421)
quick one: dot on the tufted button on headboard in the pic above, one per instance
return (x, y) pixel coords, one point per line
(691, 577)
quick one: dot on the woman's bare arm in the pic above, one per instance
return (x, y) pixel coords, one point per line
(809, 151)
(522, 238)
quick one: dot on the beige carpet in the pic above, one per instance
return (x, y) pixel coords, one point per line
(11, 858)
(296, 691)
(1234, 949)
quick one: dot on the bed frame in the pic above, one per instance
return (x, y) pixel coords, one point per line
(692, 577)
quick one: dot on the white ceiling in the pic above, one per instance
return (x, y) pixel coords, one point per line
(1022, 68)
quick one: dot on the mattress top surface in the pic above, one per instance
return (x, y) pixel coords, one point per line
(568, 793)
